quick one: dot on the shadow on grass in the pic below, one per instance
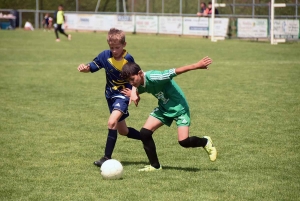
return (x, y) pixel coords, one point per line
(187, 169)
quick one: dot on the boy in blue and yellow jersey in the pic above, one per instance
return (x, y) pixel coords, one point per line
(172, 106)
(112, 62)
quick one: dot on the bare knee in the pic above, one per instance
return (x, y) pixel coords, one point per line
(112, 124)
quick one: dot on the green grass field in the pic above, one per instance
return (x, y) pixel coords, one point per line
(53, 121)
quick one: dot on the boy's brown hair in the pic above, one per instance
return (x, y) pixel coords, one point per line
(116, 36)
(129, 69)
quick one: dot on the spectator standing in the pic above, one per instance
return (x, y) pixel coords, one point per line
(47, 22)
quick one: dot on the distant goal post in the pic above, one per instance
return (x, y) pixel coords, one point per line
(273, 5)
(275, 34)
(212, 25)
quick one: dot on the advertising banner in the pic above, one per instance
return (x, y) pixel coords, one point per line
(195, 26)
(96, 22)
(71, 21)
(220, 27)
(252, 28)
(125, 23)
(288, 29)
(85, 22)
(170, 25)
(146, 24)
(104, 22)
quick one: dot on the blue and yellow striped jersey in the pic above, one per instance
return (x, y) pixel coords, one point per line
(112, 67)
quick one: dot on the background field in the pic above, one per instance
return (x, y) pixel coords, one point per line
(53, 121)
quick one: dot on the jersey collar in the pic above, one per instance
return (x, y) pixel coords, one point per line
(125, 52)
(144, 85)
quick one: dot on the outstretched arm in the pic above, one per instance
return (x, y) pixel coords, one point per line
(202, 64)
(85, 68)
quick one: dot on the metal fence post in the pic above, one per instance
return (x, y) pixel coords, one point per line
(180, 7)
(97, 6)
(37, 14)
(296, 10)
(233, 7)
(269, 19)
(132, 6)
(253, 8)
(117, 6)
(147, 7)
(124, 7)
(20, 19)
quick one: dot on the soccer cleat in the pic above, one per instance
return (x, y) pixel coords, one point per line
(101, 161)
(149, 168)
(58, 40)
(69, 37)
(210, 149)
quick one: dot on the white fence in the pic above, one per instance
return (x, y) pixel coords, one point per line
(178, 25)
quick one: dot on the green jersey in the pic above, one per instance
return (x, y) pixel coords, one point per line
(171, 99)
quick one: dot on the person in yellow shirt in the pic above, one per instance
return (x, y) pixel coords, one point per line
(60, 20)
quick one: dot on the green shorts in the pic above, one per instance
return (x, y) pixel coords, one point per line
(182, 120)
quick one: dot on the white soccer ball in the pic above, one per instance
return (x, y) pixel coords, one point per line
(111, 169)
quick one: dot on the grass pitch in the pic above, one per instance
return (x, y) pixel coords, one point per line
(53, 121)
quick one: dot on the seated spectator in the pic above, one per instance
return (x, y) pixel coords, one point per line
(28, 26)
(208, 10)
(202, 9)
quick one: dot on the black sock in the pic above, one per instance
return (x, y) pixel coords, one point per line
(198, 142)
(133, 134)
(193, 142)
(110, 142)
(149, 147)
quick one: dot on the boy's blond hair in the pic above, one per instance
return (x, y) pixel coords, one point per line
(116, 36)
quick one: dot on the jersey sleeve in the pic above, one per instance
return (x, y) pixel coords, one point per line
(161, 76)
(97, 63)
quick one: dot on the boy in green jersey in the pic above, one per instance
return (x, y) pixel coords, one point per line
(172, 106)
